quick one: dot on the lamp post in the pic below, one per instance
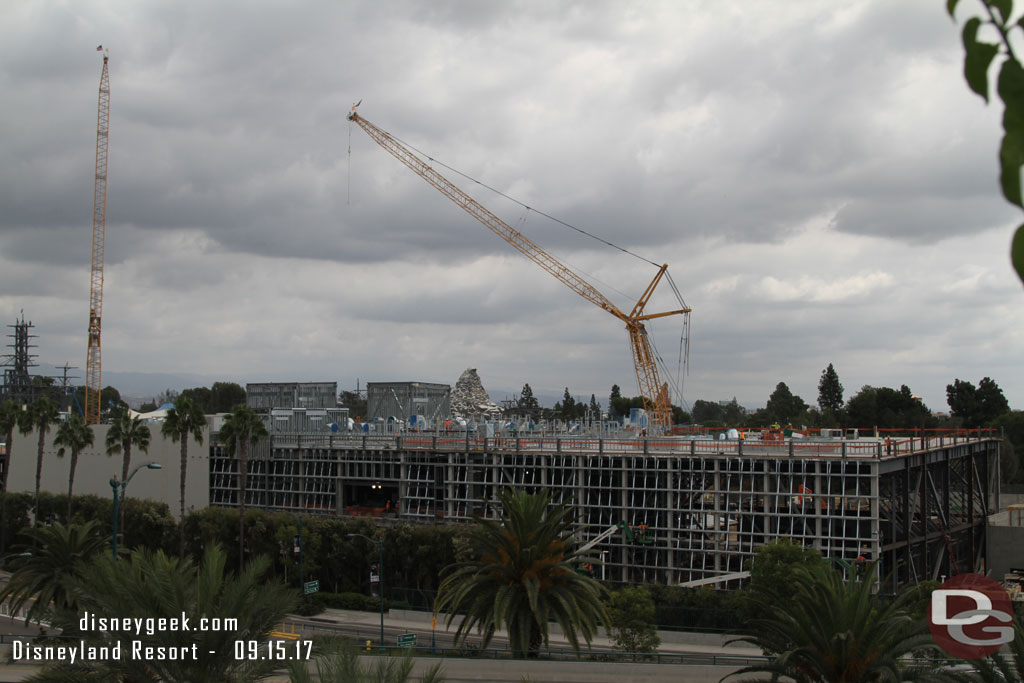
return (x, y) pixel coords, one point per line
(119, 490)
(380, 578)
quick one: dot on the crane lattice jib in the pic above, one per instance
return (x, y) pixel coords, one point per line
(652, 391)
(93, 364)
(482, 214)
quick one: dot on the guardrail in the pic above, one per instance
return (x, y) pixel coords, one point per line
(864, 448)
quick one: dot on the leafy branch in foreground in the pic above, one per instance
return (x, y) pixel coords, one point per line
(997, 22)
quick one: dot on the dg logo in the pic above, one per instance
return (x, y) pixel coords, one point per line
(970, 616)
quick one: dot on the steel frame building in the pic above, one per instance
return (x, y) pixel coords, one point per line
(698, 509)
(401, 400)
(265, 396)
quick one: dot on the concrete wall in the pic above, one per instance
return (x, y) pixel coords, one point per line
(95, 469)
(1005, 549)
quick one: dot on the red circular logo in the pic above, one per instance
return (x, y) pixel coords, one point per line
(970, 616)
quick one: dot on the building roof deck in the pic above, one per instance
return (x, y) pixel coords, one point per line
(862, 448)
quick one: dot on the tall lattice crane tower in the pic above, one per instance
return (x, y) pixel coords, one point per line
(93, 382)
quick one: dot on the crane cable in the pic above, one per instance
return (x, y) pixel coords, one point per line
(498, 192)
(522, 204)
(684, 340)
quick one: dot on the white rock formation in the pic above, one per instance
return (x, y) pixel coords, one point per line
(470, 400)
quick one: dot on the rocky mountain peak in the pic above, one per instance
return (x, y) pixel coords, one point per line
(470, 400)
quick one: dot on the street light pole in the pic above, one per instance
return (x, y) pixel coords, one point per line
(119, 490)
(380, 578)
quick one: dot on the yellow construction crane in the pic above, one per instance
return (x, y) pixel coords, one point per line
(655, 394)
(93, 382)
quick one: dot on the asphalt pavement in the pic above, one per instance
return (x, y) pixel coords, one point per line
(694, 657)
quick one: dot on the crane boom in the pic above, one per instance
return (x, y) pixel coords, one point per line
(93, 365)
(653, 392)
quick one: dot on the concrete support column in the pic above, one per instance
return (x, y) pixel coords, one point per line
(403, 479)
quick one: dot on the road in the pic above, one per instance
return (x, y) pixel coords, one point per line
(695, 657)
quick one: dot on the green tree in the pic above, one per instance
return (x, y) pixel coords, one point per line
(521, 575)
(166, 396)
(783, 405)
(978, 57)
(10, 415)
(631, 620)
(185, 420)
(993, 402)
(527, 403)
(976, 406)
(594, 408)
(680, 416)
(835, 629)
(998, 667)
(242, 427)
(830, 393)
(149, 585)
(567, 408)
(40, 416)
(888, 408)
(355, 402)
(622, 405)
(706, 411)
(44, 580)
(772, 572)
(1011, 424)
(124, 434)
(616, 393)
(73, 436)
(224, 396)
(201, 396)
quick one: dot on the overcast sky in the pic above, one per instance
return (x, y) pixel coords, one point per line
(816, 174)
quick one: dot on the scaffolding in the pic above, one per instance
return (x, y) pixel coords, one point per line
(698, 509)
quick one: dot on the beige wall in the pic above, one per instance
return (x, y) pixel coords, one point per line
(95, 469)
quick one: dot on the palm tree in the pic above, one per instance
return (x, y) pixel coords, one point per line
(10, 416)
(835, 630)
(523, 575)
(43, 580)
(241, 427)
(223, 612)
(75, 436)
(339, 663)
(998, 668)
(125, 433)
(39, 416)
(184, 420)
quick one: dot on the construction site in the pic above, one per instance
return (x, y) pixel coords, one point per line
(689, 509)
(672, 510)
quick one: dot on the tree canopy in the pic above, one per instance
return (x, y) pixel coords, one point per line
(830, 392)
(783, 406)
(976, 406)
(888, 408)
(836, 629)
(521, 575)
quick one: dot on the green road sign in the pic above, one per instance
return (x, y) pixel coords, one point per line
(407, 640)
(310, 587)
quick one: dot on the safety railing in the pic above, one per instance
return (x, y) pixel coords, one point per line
(870, 447)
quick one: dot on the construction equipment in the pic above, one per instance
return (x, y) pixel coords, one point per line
(654, 393)
(606, 534)
(93, 382)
